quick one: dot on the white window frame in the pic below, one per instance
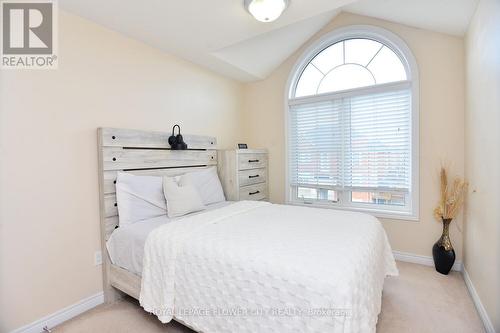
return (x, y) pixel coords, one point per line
(399, 47)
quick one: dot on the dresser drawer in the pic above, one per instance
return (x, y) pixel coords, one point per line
(252, 176)
(252, 161)
(253, 192)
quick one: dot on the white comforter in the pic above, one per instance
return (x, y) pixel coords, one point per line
(260, 267)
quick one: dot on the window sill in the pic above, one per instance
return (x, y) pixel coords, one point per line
(391, 215)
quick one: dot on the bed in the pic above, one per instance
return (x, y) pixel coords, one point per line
(243, 266)
(125, 246)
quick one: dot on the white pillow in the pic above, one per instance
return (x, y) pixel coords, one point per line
(139, 198)
(181, 200)
(207, 183)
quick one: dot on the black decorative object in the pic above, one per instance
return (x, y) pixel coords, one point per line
(242, 146)
(442, 251)
(176, 142)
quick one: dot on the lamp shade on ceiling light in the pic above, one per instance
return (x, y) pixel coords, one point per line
(266, 10)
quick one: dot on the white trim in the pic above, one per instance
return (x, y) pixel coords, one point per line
(422, 260)
(386, 37)
(459, 267)
(398, 85)
(62, 315)
(398, 45)
(384, 214)
(91, 302)
(488, 325)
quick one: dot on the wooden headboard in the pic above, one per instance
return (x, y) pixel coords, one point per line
(142, 153)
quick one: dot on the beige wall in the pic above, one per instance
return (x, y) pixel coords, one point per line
(441, 62)
(48, 169)
(482, 127)
(49, 222)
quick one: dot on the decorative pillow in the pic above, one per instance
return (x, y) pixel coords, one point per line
(207, 183)
(139, 198)
(181, 200)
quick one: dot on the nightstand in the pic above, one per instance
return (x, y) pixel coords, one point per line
(243, 173)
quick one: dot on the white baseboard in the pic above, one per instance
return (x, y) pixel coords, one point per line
(488, 325)
(62, 315)
(90, 302)
(458, 266)
(422, 260)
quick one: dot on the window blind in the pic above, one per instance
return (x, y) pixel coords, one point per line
(358, 143)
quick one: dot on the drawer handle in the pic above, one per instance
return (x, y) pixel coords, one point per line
(252, 193)
(256, 176)
(253, 161)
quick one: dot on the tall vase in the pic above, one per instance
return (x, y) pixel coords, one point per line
(442, 251)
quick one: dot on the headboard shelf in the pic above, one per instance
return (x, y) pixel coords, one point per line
(154, 148)
(118, 137)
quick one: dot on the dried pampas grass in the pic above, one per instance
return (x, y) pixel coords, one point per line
(452, 197)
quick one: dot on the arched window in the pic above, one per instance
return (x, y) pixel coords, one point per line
(352, 114)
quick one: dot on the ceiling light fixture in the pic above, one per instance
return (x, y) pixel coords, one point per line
(266, 10)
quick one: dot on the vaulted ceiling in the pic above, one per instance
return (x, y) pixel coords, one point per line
(222, 36)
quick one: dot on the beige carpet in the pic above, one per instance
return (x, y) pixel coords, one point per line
(420, 300)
